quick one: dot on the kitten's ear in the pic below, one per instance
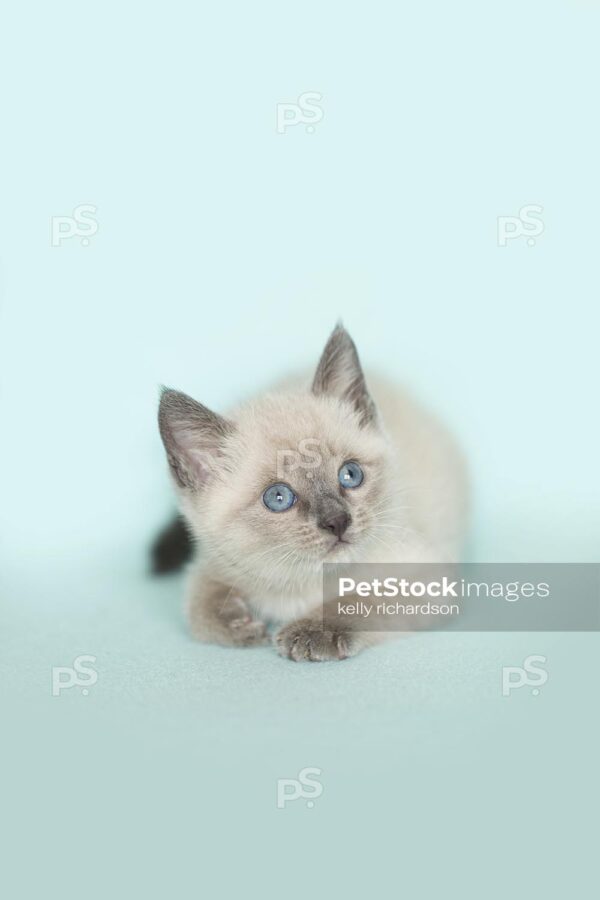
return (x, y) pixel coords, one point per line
(193, 437)
(339, 373)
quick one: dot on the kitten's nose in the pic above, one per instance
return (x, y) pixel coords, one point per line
(336, 524)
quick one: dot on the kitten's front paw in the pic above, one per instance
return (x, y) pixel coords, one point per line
(307, 639)
(227, 622)
(247, 632)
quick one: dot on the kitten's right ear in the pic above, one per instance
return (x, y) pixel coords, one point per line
(193, 437)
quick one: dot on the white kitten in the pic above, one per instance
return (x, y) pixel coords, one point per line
(329, 472)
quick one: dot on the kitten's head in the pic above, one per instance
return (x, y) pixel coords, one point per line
(293, 479)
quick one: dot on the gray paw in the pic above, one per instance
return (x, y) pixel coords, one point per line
(227, 621)
(308, 639)
(241, 629)
(247, 632)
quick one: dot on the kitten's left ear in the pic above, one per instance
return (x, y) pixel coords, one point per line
(339, 373)
(193, 437)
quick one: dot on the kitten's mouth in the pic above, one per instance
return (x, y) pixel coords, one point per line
(338, 544)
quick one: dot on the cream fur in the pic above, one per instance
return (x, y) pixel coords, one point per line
(411, 506)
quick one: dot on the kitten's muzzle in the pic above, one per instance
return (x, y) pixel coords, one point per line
(336, 523)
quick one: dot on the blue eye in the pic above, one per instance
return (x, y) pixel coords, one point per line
(350, 475)
(279, 497)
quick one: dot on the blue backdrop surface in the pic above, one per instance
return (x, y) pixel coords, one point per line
(193, 194)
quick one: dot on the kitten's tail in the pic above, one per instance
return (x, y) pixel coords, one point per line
(172, 548)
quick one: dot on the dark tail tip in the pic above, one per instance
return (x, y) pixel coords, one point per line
(172, 548)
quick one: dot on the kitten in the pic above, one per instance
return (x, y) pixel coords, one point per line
(304, 475)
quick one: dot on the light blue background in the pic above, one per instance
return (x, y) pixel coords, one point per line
(224, 255)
